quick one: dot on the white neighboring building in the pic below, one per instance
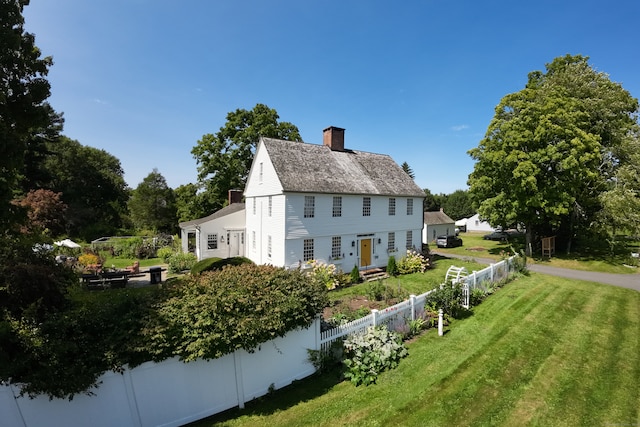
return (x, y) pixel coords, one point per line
(437, 224)
(474, 223)
(325, 202)
(220, 234)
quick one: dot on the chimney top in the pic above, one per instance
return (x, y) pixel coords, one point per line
(333, 137)
(235, 196)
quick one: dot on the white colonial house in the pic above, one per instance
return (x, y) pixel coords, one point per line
(220, 234)
(437, 224)
(324, 202)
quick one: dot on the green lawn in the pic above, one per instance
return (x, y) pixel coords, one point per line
(541, 351)
(589, 256)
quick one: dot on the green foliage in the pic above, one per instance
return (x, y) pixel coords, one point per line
(152, 204)
(446, 297)
(213, 264)
(26, 118)
(413, 262)
(375, 290)
(92, 185)
(552, 148)
(165, 253)
(224, 159)
(355, 274)
(215, 313)
(181, 261)
(369, 354)
(66, 353)
(476, 296)
(392, 267)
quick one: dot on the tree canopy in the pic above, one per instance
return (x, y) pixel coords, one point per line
(552, 149)
(26, 118)
(224, 158)
(152, 204)
(92, 185)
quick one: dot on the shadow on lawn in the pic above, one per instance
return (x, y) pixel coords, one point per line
(279, 400)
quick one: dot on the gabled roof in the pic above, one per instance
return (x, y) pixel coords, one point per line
(310, 168)
(437, 217)
(227, 210)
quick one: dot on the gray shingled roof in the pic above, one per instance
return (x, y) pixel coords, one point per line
(438, 217)
(227, 210)
(310, 168)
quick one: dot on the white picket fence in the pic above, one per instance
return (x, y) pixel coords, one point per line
(398, 315)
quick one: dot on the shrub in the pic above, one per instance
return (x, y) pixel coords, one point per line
(446, 297)
(213, 264)
(413, 262)
(375, 290)
(355, 274)
(181, 261)
(165, 253)
(204, 265)
(369, 354)
(218, 312)
(392, 268)
(324, 274)
(88, 259)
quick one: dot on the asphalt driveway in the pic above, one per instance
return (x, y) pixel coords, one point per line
(631, 281)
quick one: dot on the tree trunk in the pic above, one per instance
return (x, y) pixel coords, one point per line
(528, 247)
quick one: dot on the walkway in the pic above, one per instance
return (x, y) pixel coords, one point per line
(631, 281)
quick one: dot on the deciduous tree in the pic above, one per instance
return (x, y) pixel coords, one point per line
(551, 149)
(224, 158)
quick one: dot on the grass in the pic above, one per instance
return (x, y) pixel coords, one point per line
(588, 256)
(541, 351)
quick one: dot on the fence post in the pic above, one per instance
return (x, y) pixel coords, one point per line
(491, 267)
(374, 317)
(440, 326)
(412, 298)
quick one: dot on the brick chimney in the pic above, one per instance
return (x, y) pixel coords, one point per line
(235, 196)
(333, 138)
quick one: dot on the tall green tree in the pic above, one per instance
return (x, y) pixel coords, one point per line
(152, 205)
(458, 205)
(224, 158)
(92, 185)
(551, 150)
(189, 203)
(26, 118)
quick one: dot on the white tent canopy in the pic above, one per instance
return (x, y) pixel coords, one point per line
(68, 243)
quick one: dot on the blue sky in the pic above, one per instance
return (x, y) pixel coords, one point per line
(418, 80)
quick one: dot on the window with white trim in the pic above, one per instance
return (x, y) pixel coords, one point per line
(253, 240)
(309, 206)
(270, 210)
(269, 246)
(307, 250)
(212, 241)
(391, 242)
(337, 206)
(366, 206)
(409, 206)
(261, 172)
(336, 247)
(409, 244)
(254, 205)
(392, 206)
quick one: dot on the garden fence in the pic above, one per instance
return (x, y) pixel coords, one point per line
(397, 316)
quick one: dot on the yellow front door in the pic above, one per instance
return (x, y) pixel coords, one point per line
(365, 252)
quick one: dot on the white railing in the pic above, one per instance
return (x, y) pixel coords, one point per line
(397, 315)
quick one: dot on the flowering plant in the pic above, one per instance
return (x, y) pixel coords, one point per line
(412, 262)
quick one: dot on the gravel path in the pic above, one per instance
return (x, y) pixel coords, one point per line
(631, 281)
